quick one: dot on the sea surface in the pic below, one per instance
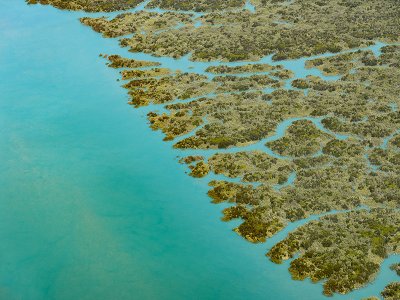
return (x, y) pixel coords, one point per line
(93, 205)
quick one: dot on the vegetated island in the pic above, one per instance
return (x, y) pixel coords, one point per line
(299, 145)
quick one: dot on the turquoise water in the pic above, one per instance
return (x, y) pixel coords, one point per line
(249, 6)
(93, 205)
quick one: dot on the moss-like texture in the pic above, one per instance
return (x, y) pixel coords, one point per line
(136, 74)
(117, 62)
(238, 112)
(396, 268)
(136, 23)
(199, 170)
(236, 119)
(248, 68)
(305, 28)
(302, 139)
(343, 63)
(392, 291)
(89, 5)
(165, 89)
(395, 141)
(198, 6)
(254, 166)
(344, 249)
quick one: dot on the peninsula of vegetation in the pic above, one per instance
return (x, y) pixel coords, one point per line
(295, 106)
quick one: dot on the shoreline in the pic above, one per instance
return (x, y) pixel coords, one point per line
(139, 56)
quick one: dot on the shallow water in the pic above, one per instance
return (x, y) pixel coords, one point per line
(93, 205)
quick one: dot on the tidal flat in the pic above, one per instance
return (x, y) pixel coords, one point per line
(225, 112)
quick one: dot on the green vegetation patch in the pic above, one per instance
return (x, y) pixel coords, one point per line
(139, 22)
(117, 62)
(391, 291)
(89, 5)
(302, 138)
(255, 166)
(396, 268)
(344, 249)
(320, 27)
(198, 6)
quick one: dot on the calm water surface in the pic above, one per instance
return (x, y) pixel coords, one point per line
(93, 205)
